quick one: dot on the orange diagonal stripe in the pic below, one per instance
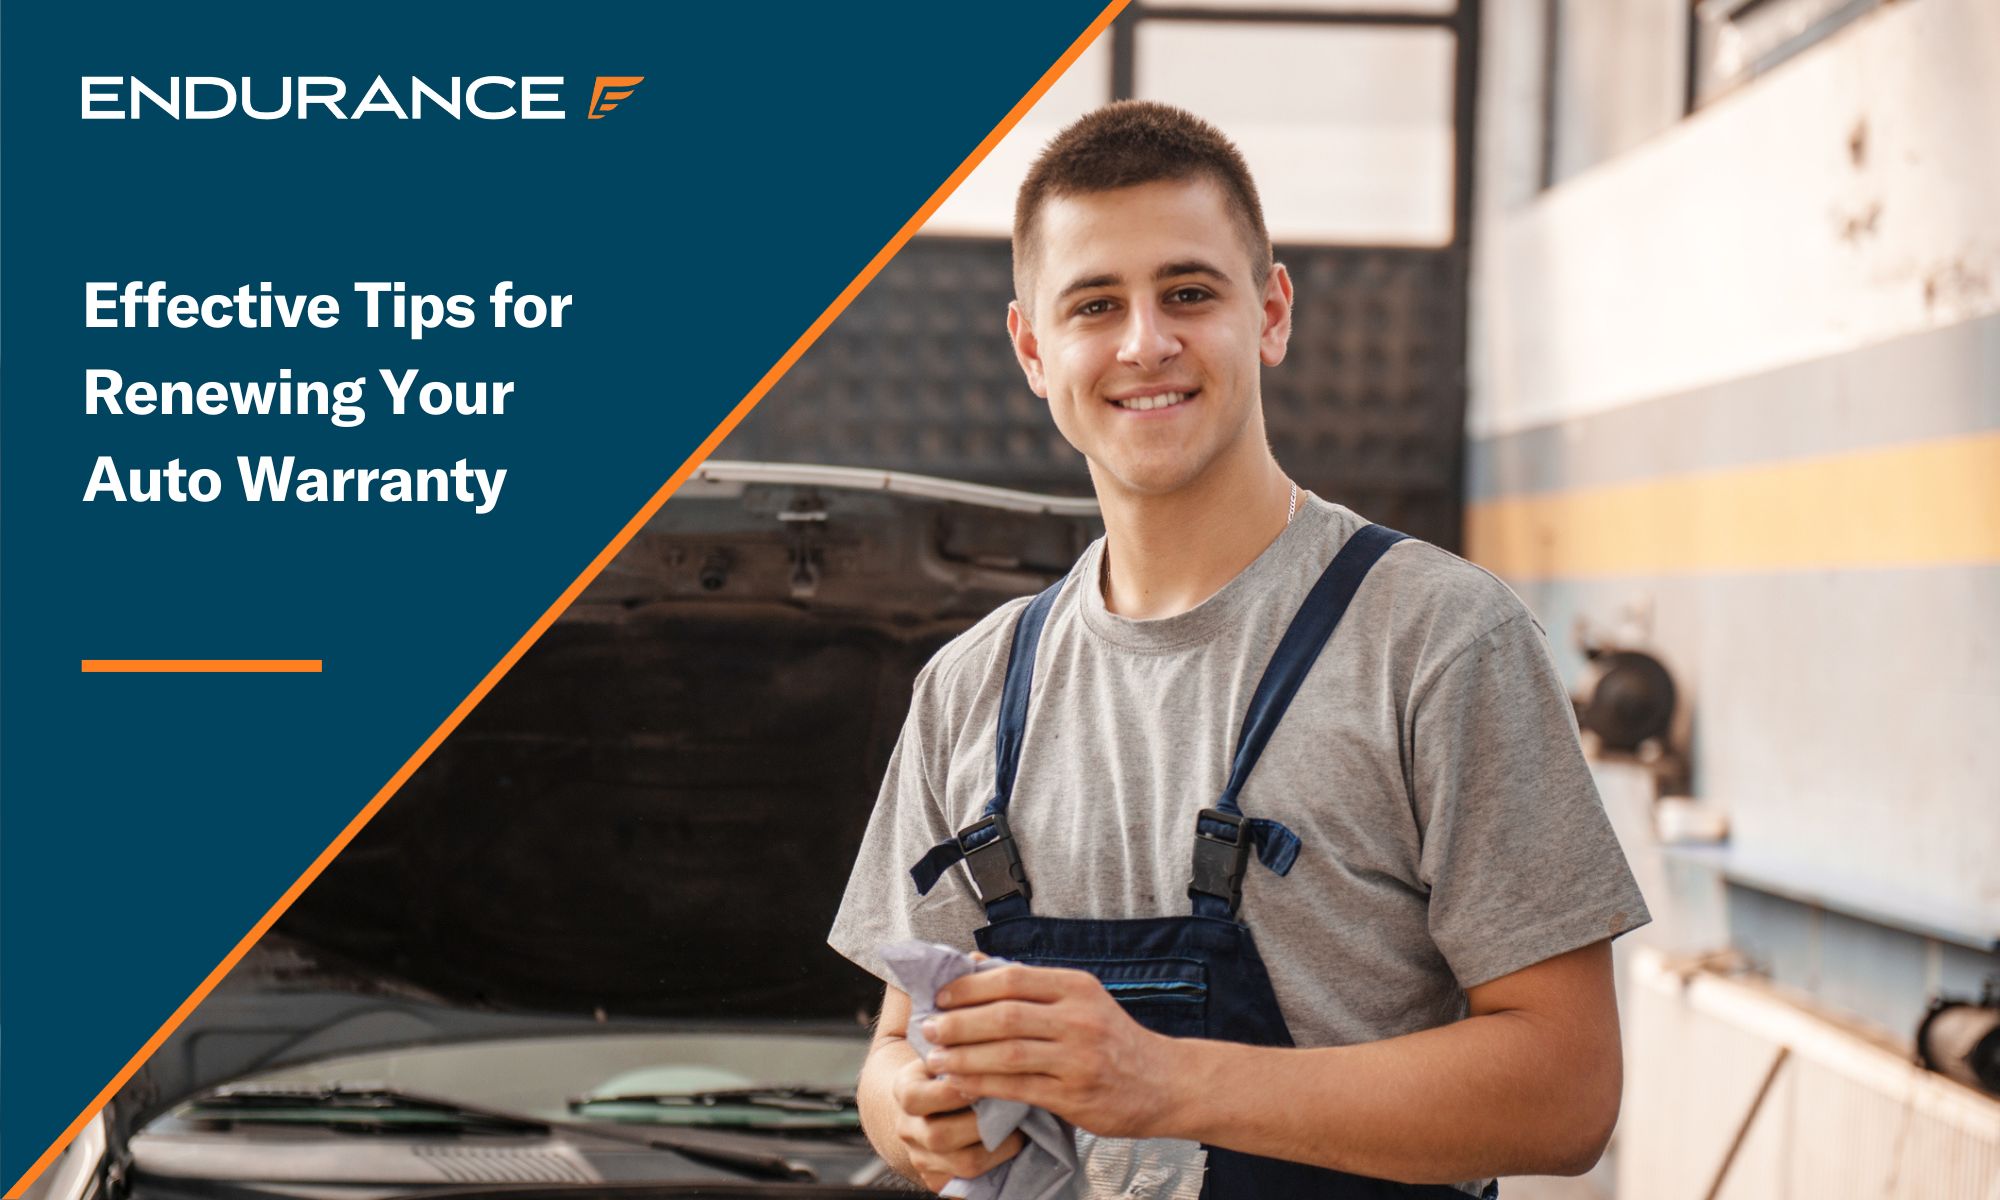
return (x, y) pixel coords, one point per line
(106, 666)
(575, 589)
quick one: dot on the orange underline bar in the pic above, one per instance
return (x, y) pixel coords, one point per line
(181, 666)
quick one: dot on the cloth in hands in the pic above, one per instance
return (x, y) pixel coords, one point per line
(1046, 1166)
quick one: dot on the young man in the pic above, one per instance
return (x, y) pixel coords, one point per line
(1410, 979)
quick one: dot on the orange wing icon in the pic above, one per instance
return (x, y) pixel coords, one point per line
(610, 90)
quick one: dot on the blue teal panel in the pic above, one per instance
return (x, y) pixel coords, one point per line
(700, 227)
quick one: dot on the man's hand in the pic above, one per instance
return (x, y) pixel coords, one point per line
(939, 1132)
(1055, 1039)
(921, 1127)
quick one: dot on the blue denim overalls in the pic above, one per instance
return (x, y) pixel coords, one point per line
(1197, 975)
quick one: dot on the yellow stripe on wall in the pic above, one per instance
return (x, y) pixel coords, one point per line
(1926, 504)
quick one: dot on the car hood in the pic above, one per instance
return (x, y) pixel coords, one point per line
(649, 821)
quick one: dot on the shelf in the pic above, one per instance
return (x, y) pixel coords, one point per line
(1957, 921)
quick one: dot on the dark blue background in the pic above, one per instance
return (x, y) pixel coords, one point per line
(151, 819)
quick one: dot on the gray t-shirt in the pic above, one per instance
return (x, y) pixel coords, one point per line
(1429, 764)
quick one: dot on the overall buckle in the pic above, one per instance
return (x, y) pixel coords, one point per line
(995, 863)
(1221, 862)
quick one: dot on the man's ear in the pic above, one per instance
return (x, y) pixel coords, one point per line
(1277, 332)
(1026, 349)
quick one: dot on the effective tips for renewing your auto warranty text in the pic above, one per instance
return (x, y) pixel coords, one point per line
(283, 479)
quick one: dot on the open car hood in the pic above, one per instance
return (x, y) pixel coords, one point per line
(650, 820)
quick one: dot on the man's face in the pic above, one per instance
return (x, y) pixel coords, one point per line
(1146, 331)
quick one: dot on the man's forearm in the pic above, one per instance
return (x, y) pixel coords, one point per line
(1500, 1094)
(1528, 1084)
(874, 1093)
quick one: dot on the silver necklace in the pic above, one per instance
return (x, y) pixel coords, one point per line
(1292, 510)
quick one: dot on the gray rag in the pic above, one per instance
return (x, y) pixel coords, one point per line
(1047, 1164)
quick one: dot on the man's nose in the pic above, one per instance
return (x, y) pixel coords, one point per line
(1148, 341)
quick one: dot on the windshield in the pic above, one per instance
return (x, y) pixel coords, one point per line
(560, 1078)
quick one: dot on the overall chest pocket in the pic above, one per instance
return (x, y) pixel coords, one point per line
(1167, 995)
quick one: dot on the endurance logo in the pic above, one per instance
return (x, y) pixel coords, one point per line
(210, 98)
(610, 90)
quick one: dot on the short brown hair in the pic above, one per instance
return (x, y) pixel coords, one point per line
(1129, 143)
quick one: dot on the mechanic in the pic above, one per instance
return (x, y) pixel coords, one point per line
(1304, 795)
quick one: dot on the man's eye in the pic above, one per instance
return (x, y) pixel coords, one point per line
(1093, 308)
(1189, 295)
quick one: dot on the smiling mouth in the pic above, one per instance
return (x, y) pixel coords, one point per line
(1156, 400)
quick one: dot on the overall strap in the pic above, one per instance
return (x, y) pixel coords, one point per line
(1223, 835)
(987, 845)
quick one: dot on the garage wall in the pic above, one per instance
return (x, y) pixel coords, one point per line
(1736, 391)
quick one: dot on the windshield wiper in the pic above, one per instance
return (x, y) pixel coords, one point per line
(785, 1099)
(372, 1109)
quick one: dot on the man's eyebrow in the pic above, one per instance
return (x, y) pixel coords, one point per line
(1094, 281)
(1192, 266)
(1172, 270)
